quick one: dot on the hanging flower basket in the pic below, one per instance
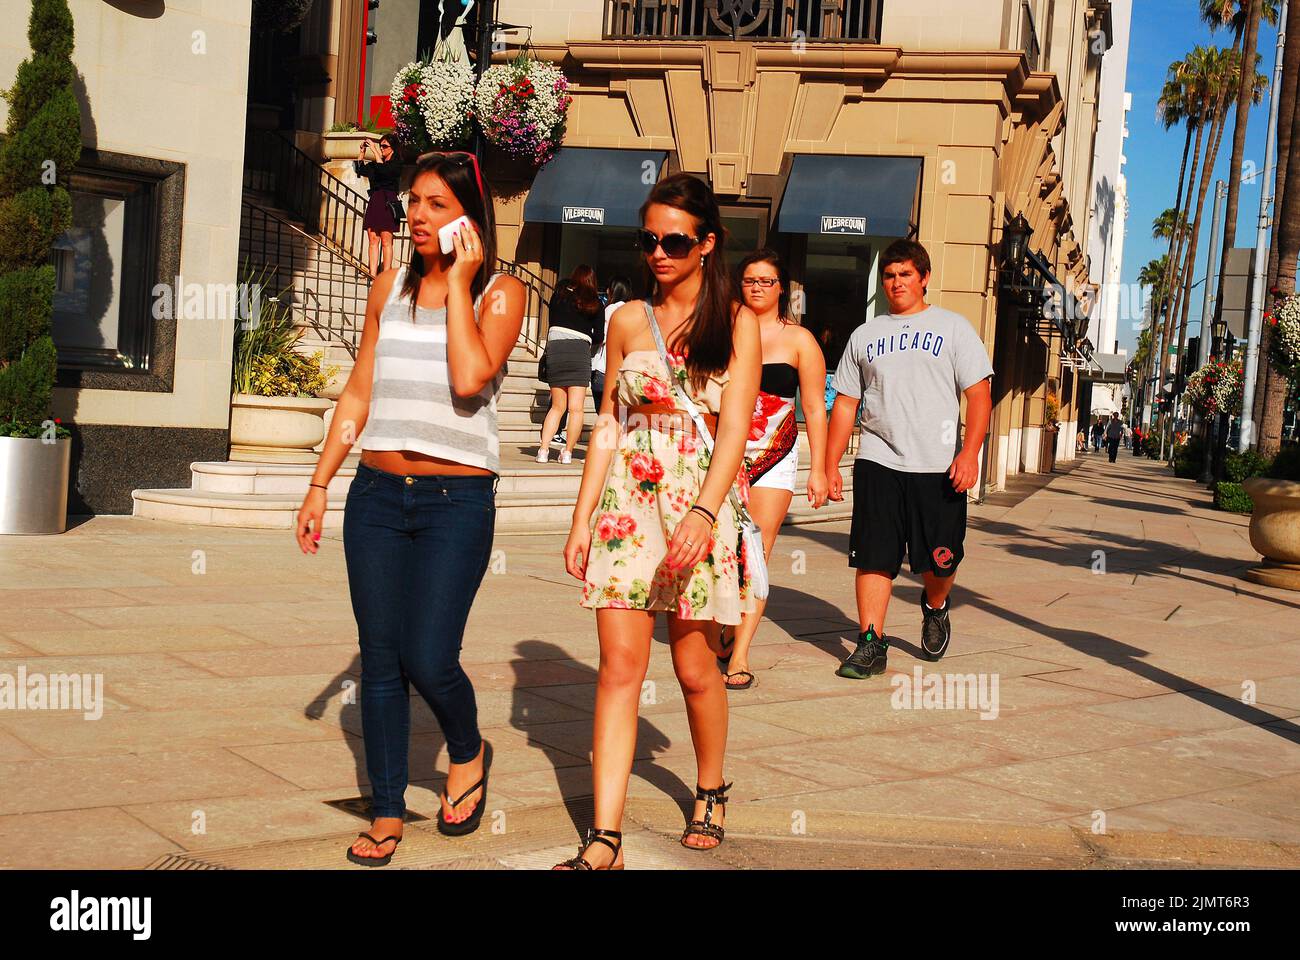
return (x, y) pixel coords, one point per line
(1284, 320)
(432, 103)
(522, 106)
(1216, 388)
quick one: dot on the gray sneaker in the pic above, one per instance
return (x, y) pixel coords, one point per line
(868, 659)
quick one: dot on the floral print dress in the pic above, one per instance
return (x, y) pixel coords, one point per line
(653, 480)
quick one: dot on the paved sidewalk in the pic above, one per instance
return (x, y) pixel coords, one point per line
(1146, 713)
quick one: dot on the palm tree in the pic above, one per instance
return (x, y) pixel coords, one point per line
(1244, 17)
(1286, 240)
(1177, 105)
(1155, 276)
(1217, 75)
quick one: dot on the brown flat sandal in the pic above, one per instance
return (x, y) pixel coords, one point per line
(706, 827)
(595, 835)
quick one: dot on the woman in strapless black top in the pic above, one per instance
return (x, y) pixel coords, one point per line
(793, 365)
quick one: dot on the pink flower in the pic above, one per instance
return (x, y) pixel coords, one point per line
(688, 444)
(645, 467)
(607, 526)
(684, 608)
(655, 390)
(618, 604)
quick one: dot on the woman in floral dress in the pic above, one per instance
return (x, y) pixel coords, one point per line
(654, 529)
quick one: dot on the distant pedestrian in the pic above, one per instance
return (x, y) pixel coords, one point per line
(381, 222)
(617, 293)
(1114, 433)
(1128, 436)
(575, 330)
(1097, 431)
(1080, 443)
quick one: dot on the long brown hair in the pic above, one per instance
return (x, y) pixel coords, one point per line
(706, 335)
(458, 171)
(581, 286)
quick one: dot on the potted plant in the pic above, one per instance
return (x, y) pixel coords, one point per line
(1275, 521)
(342, 140)
(276, 414)
(41, 146)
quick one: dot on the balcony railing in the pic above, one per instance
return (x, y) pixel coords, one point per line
(790, 20)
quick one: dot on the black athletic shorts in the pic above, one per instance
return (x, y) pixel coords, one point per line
(895, 511)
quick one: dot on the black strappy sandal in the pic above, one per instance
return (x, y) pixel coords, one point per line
(470, 823)
(595, 835)
(706, 827)
(374, 861)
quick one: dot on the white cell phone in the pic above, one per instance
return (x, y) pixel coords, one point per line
(445, 233)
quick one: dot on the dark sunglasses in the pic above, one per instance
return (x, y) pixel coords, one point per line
(676, 245)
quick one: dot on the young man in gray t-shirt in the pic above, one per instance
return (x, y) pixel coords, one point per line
(903, 375)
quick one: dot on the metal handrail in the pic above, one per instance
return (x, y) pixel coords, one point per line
(299, 261)
(325, 204)
(806, 20)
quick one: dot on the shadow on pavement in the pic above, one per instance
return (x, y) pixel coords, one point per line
(577, 803)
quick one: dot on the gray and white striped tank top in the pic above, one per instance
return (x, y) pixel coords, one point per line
(412, 406)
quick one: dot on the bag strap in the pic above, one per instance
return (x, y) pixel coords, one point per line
(690, 406)
(687, 402)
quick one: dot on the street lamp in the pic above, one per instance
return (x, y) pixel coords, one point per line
(1015, 243)
(1219, 331)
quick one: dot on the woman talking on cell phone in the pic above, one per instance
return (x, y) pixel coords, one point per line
(657, 525)
(417, 526)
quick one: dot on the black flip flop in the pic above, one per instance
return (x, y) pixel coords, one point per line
(470, 823)
(374, 861)
(738, 686)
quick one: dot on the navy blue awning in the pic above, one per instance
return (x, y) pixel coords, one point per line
(874, 196)
(593, 185)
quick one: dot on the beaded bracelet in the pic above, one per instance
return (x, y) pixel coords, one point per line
(321, 485)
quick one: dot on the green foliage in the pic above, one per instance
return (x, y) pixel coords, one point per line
(1188, 459)
(1286, 465)
(43, 136)
(43, 152)
(1242, 466)
(1229, 496)
(26, 302)
(289, 374)
(265, 361)
(26, 383)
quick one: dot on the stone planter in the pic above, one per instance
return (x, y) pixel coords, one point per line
(1275, 531)
(345, 144)
(276, 429)
(34, 485)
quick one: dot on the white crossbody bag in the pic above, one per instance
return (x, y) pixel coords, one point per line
(750, 535)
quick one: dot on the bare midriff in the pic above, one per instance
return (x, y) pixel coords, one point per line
(409, 463)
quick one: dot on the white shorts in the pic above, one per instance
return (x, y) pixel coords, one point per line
(782, 474)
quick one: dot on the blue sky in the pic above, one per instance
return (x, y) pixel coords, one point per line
(1164, 31)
